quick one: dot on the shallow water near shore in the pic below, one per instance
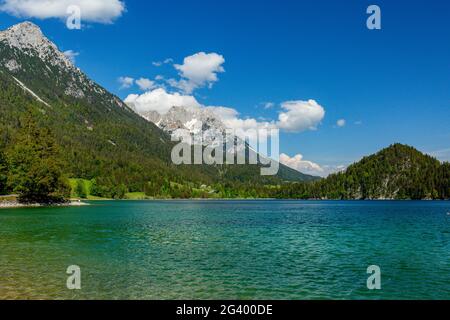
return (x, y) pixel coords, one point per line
(227, 250)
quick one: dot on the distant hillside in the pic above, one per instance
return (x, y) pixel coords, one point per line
(397, 172)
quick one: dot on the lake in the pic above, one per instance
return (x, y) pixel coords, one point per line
(227, 250)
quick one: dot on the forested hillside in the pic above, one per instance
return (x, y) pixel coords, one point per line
(397, 172)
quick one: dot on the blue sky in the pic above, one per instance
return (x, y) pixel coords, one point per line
(390, 85)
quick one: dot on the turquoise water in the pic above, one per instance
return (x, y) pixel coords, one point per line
(227, 250)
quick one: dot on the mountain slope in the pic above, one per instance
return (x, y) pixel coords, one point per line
(101, 137)
(90, 123)
(397, 172)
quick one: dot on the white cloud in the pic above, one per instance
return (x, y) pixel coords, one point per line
(160, 63)
(160, 101)
(247, 124)
(71, 55)
(244, 128)
(198, 70)
(300, 115)
(298, 163)
(100, 11)
(126, 82)
(224, 113)
(182, 85)
(308, 167)
(341, 123)
(145, 84)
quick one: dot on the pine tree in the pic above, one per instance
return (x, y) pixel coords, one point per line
(35, 167)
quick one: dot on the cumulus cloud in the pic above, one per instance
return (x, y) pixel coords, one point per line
(300, 164)
(197, 71)
(308, 167)
(243, 127)
(160, 101)
(71, 55)
(299, 115)
(145, 84)
(224, 113)
(341, 123)
(125, 82)
(99, 11)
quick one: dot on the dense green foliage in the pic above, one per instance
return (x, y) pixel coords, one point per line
(3, 173)
(35, 171)
(81, 189)
(398, 172)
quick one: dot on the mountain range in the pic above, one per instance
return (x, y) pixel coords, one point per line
(102, 138)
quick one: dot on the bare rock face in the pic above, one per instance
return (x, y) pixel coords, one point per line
(12, 65)
(179, 120)
(28, 38)
(27, 54)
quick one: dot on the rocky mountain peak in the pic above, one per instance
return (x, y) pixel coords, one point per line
(194, 120)
(37, 65)
(25, 27)
(28, 38)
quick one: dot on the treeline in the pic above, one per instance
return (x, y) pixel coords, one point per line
(33, 166)
(160, 187)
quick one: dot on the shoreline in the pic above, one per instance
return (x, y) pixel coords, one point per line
(81, 203)
(16, 205)
(270, 199)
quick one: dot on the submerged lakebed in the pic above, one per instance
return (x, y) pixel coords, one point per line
(227, 250)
